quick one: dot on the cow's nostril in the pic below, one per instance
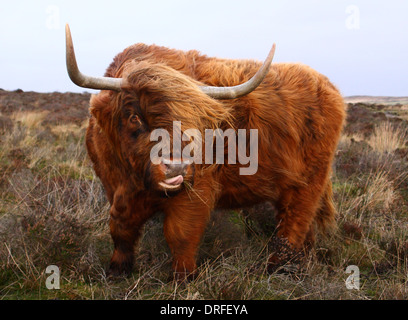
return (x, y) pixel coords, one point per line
(174, 168)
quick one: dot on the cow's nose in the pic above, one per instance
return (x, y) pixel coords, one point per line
(174, 168)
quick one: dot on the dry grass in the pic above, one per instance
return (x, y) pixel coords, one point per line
(30, 120)
(53, 211)
(387, 138)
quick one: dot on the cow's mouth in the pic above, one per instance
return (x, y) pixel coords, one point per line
(173, 183)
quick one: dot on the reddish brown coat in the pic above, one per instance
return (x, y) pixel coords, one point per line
(299, 116)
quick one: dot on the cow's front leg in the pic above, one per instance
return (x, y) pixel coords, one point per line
(126, 224)
(124, 236)
(184, 226)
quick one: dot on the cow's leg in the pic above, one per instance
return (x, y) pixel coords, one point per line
(184, 225)
(296, 213)
(126, 223)
(326, 214)
(124, 235)
(297, 210)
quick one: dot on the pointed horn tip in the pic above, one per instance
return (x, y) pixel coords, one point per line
(269, 58)
(67, 29)
(272, 51)
(68, 36)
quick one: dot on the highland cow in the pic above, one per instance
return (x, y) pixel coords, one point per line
(298, 115)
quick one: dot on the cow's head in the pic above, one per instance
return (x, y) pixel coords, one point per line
(145, 99)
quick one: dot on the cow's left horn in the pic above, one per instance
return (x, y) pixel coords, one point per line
(244, 88)
(100, 83)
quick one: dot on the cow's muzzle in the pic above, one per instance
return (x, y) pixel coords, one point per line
(175, 172)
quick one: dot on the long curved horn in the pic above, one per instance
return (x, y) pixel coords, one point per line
(244, 88)
(100, 83)
(107, 83)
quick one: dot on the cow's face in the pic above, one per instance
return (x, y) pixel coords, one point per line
(142, 119)
(160, 170)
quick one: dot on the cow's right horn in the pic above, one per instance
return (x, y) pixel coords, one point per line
(100, 83)
(244, 88)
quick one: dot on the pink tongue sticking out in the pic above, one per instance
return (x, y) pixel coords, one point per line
(175, 180)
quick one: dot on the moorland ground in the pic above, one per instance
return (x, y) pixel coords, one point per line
(53, 211)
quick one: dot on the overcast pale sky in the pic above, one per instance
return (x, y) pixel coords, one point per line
(361, 45)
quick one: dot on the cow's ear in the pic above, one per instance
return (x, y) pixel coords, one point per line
(101, 108)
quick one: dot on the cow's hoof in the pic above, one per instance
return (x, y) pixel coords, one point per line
(119, 270)
(284, 258)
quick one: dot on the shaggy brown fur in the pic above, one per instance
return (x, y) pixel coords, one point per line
(299, 116)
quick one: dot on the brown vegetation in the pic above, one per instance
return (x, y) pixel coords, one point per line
(53, 211)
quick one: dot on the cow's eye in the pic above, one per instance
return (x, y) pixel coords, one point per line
(134, 119)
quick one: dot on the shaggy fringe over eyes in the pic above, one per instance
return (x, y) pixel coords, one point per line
(166, 95)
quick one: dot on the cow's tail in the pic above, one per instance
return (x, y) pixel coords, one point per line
(326, 214)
